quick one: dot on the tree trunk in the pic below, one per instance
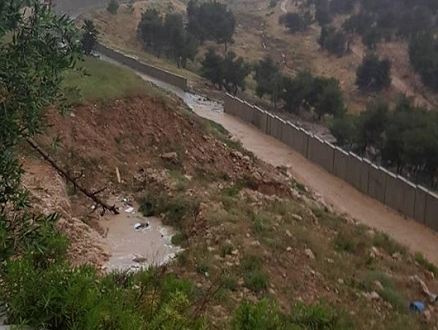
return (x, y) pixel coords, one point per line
(92, 195)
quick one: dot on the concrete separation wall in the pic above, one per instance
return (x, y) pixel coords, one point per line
(377, 183)
(394, 191)
(358, 172)
(340, 164)
(163, 75)
(264, 119)
(321, 153)
(301, 141)
(431, 215)
(400, 195)
(259, 118)
(270, 119)
(421, 194)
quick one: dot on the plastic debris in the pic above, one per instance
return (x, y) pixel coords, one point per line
(417, 306)
(141, 225)
(129, 209)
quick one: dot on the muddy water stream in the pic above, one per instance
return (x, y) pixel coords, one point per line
(136, 241)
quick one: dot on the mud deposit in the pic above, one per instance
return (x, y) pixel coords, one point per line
(135, 248)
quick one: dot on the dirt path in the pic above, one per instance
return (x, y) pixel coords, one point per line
(341, 196)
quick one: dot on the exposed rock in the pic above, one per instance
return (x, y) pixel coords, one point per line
(170, 156)
(378, 285)
(246, 159)
(139, 259)
(309, 254)
(297, 217)
(340, 281)
(375, 253)
(288, 249)
(427, 316)
(288, 233)
(397, 256)
(256, 176)
(371, 233)
(373, 296)
(271, 291)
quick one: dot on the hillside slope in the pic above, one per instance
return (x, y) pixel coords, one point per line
(250, 231)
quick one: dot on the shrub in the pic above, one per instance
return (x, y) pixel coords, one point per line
(226, 249)
(203, 266)
(228, 282)
(316, 316)
(256, 281)
(113, 6)
(175, 208)
(264, 315)
(177, 239)
(251, 262)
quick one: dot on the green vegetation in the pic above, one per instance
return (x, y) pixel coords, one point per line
(167, 35)
(95, 80)
(113, 7)
(269, 79)
(89, 36)
(403, 139)
(373, 74)
(295, 22)
(227, 72)
(266, 315)
(423, 262)
(333, 41)
(423, 56)
(211, 21)
(306, 91)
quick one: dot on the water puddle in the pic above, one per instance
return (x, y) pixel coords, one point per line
(136, 241)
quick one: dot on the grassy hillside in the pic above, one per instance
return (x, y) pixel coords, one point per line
(99, 80)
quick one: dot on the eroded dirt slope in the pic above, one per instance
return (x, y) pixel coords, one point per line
(248, 229)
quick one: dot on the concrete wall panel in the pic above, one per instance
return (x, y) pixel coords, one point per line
(248, 111)
(377, 183)
(354, 175)
(163, 75)
(407, 191)
(273, 126)
(321, 153)
(340, 164)
(285, 132)
(431, 216)
(292, 130)
(228, 104)
(364, 166)
(420, 204)
(270, 119)
(263, 119)
(301, 141)
(400, 195)
(257, 118)
(278, 128)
